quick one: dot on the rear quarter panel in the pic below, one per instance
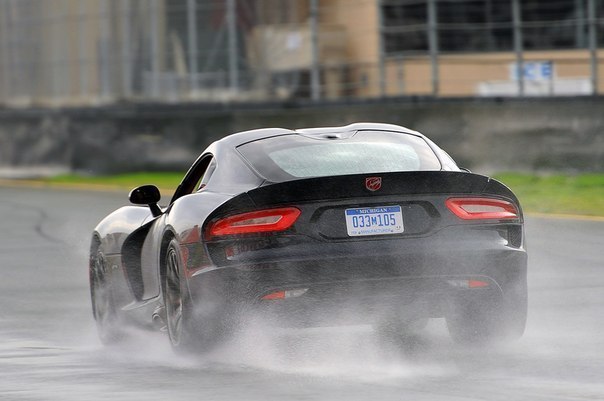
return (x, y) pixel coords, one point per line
(188, 214)
(113, 230)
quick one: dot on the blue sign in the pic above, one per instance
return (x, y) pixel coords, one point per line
(533, 71)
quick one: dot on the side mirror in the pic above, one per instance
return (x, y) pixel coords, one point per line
(146, 195)
(466, 170)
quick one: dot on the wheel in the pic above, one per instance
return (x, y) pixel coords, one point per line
(183, 329)
(189, 328)
(103, 304)
(486, 321)
(173, 297)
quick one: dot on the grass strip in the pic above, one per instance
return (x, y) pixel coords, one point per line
(168, 180)
(581, 194)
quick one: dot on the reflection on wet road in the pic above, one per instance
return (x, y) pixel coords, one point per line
(49, 349)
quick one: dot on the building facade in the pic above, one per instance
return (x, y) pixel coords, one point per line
(87, 52)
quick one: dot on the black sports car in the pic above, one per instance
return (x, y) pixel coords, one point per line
(368, 223)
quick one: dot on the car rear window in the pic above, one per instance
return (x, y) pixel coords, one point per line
(293, 156)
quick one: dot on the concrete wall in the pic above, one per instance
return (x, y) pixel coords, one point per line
(486, 136)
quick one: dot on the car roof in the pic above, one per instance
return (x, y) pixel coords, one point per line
(241, 138)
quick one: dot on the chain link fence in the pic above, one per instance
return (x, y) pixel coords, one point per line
(89, 52)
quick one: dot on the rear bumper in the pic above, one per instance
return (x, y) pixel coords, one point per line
(363, 280)
(372, 301)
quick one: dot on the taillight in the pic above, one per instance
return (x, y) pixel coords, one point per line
(468, 283)
(285, 294)
(260, 221)
(482, 208)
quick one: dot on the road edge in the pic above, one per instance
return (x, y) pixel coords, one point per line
(36, 184)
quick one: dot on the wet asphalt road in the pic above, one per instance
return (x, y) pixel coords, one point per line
(49, 349)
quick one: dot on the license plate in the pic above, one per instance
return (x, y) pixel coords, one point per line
(374, 221)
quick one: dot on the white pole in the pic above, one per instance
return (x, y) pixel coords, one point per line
(126, 56)
(231, 18)
(5, 65)
(315, 74)
(83, 58)
(105, 50)
(155, 64)
(192, 45)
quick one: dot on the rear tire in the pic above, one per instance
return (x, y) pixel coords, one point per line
(188, 327)
(176, 302)
(479, 321)
(104, 310)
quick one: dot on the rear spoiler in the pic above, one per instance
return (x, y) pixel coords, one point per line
(400, 183)
(354, 186)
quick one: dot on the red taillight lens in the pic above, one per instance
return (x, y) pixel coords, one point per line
(477, 284)
(274, 295)
(482, 208)
(260, 221)
(285, 294)
(468, 283)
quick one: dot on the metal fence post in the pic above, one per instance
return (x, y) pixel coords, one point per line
(315, 76)
(126, 57)
(518, 45)
(105, 49)
(65, 54)
(5, 56)
(155, 53)
(54, 70)
(593, 45)
(82, 46)
(433, 45)
(231, 19)
(382, 48)
(192, 44)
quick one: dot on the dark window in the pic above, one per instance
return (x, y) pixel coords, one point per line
(554, 24)
(296, 156)
(195, 177)
(486, 25)
(405, 26)
(474, 25)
